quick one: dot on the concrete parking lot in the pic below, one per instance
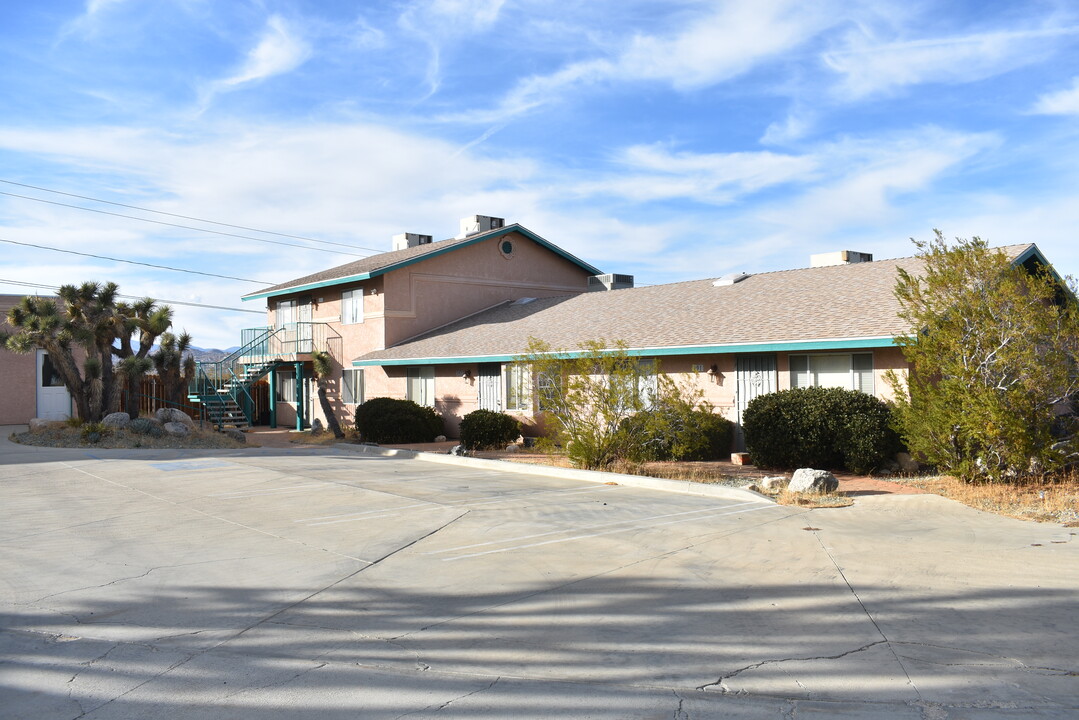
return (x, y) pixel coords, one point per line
(323, 583)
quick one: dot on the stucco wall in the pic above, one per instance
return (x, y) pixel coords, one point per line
(18, 375)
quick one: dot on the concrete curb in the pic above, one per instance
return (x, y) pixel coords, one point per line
(687, 487)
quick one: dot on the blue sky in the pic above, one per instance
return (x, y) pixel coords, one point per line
(669, 140)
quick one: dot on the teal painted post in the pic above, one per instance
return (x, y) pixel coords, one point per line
(299, 395)
(273, 398)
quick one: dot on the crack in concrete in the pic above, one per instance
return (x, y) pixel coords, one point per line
(774, 661)
(449, 702)
(279, 683)
(679, 712)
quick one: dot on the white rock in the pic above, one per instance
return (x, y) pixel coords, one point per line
(38, 424)
(170, 415)
(777, 482)
(812, 481)
(117, 420)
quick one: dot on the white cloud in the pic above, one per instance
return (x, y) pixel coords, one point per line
(279, 50)
(729, 41)
(868, 66)
(1061, 102)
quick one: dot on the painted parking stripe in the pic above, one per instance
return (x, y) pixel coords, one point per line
(591, 527)
(598, 534)
(285, 489)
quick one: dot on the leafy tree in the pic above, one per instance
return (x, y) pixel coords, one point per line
(89, 318)
(602, 406)
(174, 365)
(993, 354)
(323, 366)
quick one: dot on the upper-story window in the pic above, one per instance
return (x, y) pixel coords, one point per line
(850, 371)
(286, 313)
(352, 306)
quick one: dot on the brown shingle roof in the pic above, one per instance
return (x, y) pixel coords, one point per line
(841, 302)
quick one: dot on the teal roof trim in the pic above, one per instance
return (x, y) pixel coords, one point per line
(764, 347)
(411, 261)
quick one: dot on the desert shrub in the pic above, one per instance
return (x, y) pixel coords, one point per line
(482, 429)
(145, 426)
(388, 420)
(819, 427)
(93, 432)
(675, 430)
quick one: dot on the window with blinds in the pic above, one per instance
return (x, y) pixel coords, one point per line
(421, 385)
(352, 306)
(850, 371)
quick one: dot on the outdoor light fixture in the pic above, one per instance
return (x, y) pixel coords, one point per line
(467, 375)
(715, 374)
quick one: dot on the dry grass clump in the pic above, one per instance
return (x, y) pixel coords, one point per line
(813, 500)
(1054, 500)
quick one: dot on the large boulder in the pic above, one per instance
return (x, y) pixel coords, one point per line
(316, 426)
(118, 420)
(37, 424)
(235, 434)
(171, 415)
(808, 480)
(178, 429)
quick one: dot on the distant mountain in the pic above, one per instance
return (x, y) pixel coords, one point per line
(210, 354)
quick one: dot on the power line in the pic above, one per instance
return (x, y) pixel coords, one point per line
(184, 217)
(138, 297)
(184, 227)
(134, 262)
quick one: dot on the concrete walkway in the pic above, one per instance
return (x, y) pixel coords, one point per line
(326, 583)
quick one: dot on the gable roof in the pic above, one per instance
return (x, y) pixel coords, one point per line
(383, 263)
(822, 308)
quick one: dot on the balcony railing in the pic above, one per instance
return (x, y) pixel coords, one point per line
(292, 342)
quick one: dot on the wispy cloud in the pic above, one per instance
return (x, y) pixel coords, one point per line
(279, 50)
(868, 66)
(438, 23)
(1061, 102)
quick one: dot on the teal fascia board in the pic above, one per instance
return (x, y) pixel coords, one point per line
(795, 346)
(411, 261)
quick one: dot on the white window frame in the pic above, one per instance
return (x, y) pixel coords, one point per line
(352, 389)
(352, 307)
(517, 378)
(861, 375)
(285, 314)
(420, 385)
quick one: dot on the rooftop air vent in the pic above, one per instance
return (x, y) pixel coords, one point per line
(610, 281)
(408, 240)
(475, 224)
(840, 257)
(730, 279)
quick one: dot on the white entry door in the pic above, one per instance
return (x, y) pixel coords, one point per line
(53, 399)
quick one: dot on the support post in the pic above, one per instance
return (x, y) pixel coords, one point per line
(299, 395)
(273, 397)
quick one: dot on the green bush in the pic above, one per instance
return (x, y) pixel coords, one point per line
(675, 431)
(387, 420)
(93, 432)
(146, 426)
(821, 428)
(483, 429)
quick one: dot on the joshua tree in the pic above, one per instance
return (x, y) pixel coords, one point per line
(174, 366)
(323, 366)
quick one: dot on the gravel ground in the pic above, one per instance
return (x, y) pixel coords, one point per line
(61, 435)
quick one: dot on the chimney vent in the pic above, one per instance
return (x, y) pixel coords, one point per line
(475, 224)
(840, 257)
(404, 241)
(610, 281)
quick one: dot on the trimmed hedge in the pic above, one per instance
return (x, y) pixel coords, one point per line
(821, 428)
(483, 429)
(676, 433)
(388, 420)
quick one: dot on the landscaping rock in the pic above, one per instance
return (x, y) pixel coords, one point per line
(440, 438)
(512, 448)
(38, 424)
(752, 487)
(775, 483)
(118, 420)
(235, 434)
(808, 480)
(906, 463)
(178, 429)
(171, 415)
(459, 450)
(316, 426)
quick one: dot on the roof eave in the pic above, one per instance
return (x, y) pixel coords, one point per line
(876, 341)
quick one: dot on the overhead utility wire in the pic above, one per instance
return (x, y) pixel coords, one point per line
(134, 262)
(138, 297)
(186, 217)
(185, 227)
